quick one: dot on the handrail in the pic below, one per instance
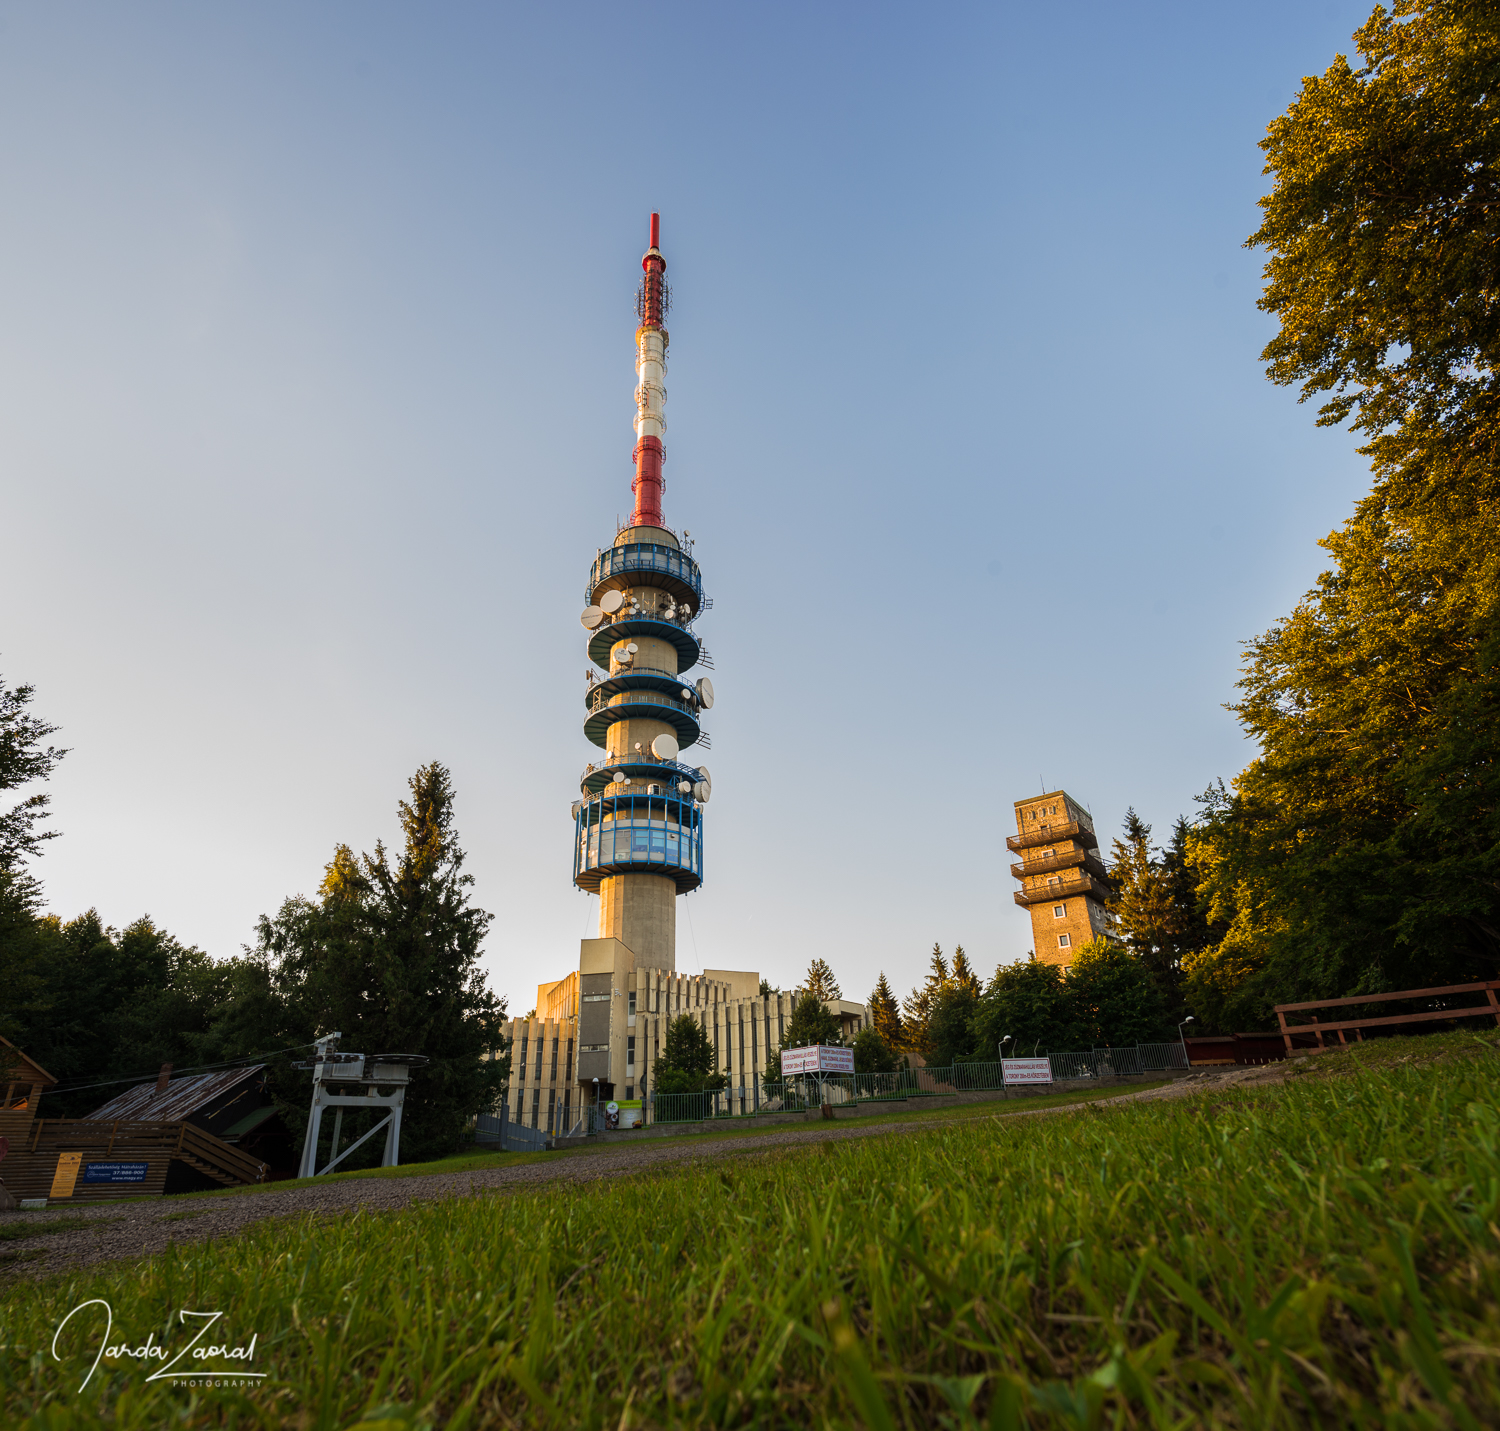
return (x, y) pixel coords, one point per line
(1071, 830)
(684, 681)
(595, 767)
(669, 561)
(599, 700)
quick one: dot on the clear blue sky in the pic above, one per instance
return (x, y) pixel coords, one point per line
(316, 397)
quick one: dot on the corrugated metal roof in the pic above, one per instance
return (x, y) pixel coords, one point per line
(181, 1097)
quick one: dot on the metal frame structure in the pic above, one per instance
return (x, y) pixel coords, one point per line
(332, 1069)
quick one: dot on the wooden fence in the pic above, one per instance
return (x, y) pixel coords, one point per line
(1491, 1008)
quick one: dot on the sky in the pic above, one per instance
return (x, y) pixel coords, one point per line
(316, 400)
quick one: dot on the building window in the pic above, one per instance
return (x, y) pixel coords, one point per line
(524, 1041)
(554, 1060)
(536, 1107)
(629, 1091)
(1059, 911)
(1064, 940)
(631, 1009)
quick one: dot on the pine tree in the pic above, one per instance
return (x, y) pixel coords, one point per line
(810, 1024)
(916, 1008)
(885, 1013)
(963, 975)
(686, 1062)
(820, 981)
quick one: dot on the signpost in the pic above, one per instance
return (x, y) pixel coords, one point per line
(1025, 1070)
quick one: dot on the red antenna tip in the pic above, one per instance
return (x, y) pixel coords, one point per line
(655, 230)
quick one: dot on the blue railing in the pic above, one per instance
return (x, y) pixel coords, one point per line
(637, 557)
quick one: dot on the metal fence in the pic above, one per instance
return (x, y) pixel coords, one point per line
(512, 1136)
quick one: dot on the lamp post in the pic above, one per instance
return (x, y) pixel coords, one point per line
(597, 1128)
(1004, 1087)
(1185, 1059)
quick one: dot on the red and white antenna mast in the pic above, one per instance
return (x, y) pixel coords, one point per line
(652, 300)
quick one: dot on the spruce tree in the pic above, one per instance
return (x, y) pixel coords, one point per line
(820, 981)
(686, 1062)
(885, 1013)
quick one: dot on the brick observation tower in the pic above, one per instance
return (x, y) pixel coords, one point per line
(638, 830)
(1064, 884)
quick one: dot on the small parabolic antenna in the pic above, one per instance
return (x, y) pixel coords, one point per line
(577, 806)
(632, 647)
(703, 775)
(687, 695)
(611, 602)
(702, 790)
(686, 786)
(618, 778)
(664, 747)
(705, 693)
(591, 617)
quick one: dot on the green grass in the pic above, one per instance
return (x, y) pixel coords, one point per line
(1325, 1252)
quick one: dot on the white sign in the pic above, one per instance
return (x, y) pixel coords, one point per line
(1026, 1070)
(818, 1059)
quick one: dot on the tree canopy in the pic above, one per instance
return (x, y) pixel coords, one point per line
(820, 981)
(1360, 851)
(23, 760)
(686, 1061)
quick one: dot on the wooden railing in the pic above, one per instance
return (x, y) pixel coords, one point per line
(220, 1160)
(1491, 1008)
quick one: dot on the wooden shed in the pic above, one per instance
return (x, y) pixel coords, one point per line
(177, 1135)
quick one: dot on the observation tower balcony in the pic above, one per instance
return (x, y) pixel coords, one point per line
(1050, 834)
(638, 833)
(1069, 859)
(623, 626)
(647, 564)
(1080, 883)
(621, 698)
(643, 767)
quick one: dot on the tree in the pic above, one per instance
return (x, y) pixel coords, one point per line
(820, 981)
(810, 1024)
(963, 975)
(23, 759)
(916, 1008)
(885, 1013)
(1033, 1003)
(388, 955)
(686, 1062)
(1360, 852)
(872, 1054)
(1154, 903)
(950, 1024)
(1114, 996)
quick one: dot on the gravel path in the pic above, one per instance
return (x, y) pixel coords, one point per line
(106, 1231)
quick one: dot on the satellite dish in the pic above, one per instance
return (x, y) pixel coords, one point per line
(632, 647)
(664, 747)
(707, 778)
(611, 602)
(706, 693)
(591, 617)
(701, 791)
(577, 806)
(686, 786)
(637, 745)
(618, 778)
(686, 533)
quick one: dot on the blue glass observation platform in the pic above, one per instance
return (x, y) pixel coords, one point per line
(647, 564)
(638, 833)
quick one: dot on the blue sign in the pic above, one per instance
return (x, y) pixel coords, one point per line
(115, 1172)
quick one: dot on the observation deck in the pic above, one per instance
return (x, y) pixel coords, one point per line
(1050, 834)
(638, 833)
(1069, 859)
(647, 564)
(1080, 883)
(622, 627)
(644, 766)
(623, 698)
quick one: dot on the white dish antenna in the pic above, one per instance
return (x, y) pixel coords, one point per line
(704, 775)
(611, 602)
(686, 786)
(687, 694)
(702, 790)
(618, 778)
(705, 693)
(577, 806)
(664, 747)
(591, 617)
(632, 647)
